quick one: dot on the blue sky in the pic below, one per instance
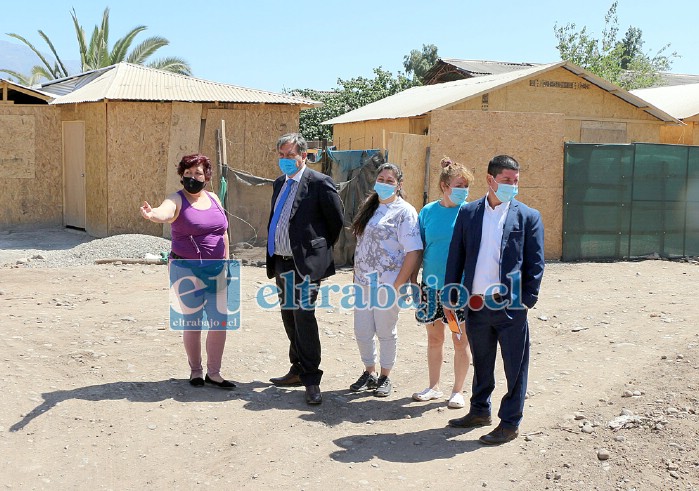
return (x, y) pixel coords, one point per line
(273, 45)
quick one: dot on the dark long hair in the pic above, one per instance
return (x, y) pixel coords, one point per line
(367, 209)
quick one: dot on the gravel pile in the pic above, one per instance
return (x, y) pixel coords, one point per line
(131, 246)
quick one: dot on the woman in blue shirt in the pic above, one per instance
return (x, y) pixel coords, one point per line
(436, 222)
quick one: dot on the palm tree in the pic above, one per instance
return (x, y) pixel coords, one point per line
(96, 53)
(58, 70)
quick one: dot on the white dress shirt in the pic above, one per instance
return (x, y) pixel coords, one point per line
(488, 263)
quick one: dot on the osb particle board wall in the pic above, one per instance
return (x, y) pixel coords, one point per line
(235, 138)
(635, 131)
(642, 132)
(365, 135)
(252, 131)
(138, 145)
(18, 145)
(30, 152)
(681, 135)
(95, 117)
(185, 126)
(535, 140)
(264, 125)
(409, 152)
(677, 135)
(578, 98)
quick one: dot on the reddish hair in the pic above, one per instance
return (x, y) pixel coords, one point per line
(193, 161)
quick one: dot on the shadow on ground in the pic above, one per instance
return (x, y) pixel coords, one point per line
(338, 406)
(418, 446)
(43, 239)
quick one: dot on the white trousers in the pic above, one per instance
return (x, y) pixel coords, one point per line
(373, 322)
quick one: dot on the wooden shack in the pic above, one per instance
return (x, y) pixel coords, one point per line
(92, 147)
(528, 113)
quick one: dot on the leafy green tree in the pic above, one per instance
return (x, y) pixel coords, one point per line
(621, 61)
(350, 94)
(419, 62)
(97, 54)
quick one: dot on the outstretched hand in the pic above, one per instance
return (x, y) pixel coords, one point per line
(146, 211)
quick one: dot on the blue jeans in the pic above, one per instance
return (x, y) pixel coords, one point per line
(485, 330)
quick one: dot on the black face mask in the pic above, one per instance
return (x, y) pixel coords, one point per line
(192, 185)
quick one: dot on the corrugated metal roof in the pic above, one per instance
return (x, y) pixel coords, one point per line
(125, 81)
(417, 101)
(483, 67)
(451, 69)
(682, 101)
(678, 79)
(70, 84)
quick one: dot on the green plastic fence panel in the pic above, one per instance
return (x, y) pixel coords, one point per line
(658, 200)
(634, 200)
(691, 239)
(597, 201)
(657, 227)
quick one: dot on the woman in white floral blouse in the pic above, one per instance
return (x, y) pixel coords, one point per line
(388, 250)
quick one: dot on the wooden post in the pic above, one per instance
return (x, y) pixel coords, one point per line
(224, 159)
(324, 159)
(224, 147)
(219, 159)
(426, 190)
(223, 166)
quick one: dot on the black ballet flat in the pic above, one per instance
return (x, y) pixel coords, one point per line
(196, 381)
(226, 384)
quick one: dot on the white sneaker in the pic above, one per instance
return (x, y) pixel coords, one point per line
(456, 401)
(427, 395)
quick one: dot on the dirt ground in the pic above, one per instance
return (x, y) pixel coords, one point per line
(94, 392)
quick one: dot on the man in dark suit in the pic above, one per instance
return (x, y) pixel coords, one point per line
(305, 221)
(497, 255)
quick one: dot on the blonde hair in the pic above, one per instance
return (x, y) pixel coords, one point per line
(451, 170)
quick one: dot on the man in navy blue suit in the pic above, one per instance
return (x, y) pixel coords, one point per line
(496, 262)
(305, 220)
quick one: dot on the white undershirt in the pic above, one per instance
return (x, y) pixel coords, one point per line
(488, 263)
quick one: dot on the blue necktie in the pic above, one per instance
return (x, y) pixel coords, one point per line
(275, 218)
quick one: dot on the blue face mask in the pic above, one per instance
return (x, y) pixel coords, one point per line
(506, 192)
(458, 195)
(384, 190)
(288, 166)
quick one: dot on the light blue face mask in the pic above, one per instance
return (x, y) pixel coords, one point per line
(506, 192)
(458, 195)
(288, 166)
(384, 190)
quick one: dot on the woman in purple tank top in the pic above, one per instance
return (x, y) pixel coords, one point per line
(199, 231)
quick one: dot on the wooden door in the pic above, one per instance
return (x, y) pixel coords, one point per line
(74, 174)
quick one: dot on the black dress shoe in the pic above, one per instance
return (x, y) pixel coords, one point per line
(499, 435)
(313, 395)
(470, 421)
(288, 380)
(197, 382)
(226, 384)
